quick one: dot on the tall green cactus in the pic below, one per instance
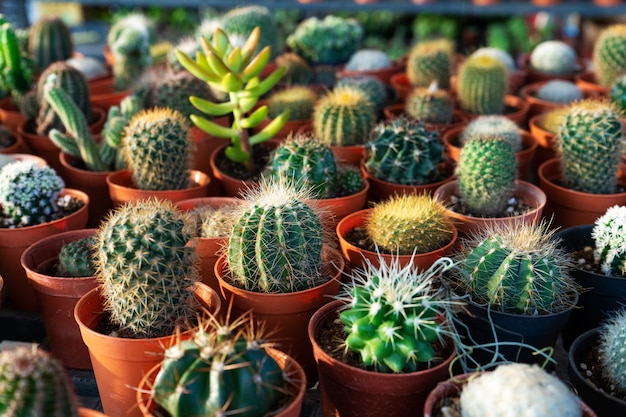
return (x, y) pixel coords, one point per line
(76, 258)
(114, 127)
(482, 85)
(609, 234)
(430, 61)
(612, 340)
(145, 269)
(16, 67)
(49, 40)
(430, 105)
(609, 54)
(486, 173)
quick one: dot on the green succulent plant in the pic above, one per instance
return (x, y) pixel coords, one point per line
(430, 105)
(297, 70)
(239, 22)
(76, 258)
(49, 40)
(173, 89)
(214, 222)
(430, 61)
(494, 125)
(482, 85)
(618, 92)
(608, 58)
(299, 99)
(16, 66)
(373, 87)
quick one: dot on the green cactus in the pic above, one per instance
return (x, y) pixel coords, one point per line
(609, 237)
(158, 150)
(391, 313)
(408, 224)
(276, 244)
(215, 221)
(16, 67)
(518, 268)
(300, 100)
(430, 61)
(76, 258)
(34, 384)
(368, 60)
(49, 40)
(114, 127)
(343, 117)
(297, 70)
(500, 54)
(486, 173)
(239, 22)
(430, 105)
(29, 193)
(554, 57)
(349, 179)
(493, 126)
(611, 347)
(145, 269)
(403, 151)
(590, 146)
(516, 389)
(618, 92)
(482, 85)
(373, 87)
(609, 54)
(559, 91)
(173, 89)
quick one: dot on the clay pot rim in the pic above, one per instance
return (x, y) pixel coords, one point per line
(550, 182)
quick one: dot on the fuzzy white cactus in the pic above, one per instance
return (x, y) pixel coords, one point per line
(609, 235)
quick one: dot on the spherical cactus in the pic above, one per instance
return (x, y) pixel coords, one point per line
(239, 22)
(559, 91)
(76, 258)
(49, 40)
(517, 389)
(276, 243)
(551, 120)
(300, 100)
(609, 54)
(374, 88)
(590, 146)
(430, 61)
(486, 173)
(482, 85)
(145, 269)
(618, 92)
(497, 53)
(430, 105)
(173, 89)
(368, 60)
(404, 152)
(611, 347)
(554, 57)
(343, 117)
(493, 126)
(517, 268)
(34, 384)
(157, 149)
(215, 221)
(349, 179)
(29, 193)
(297, 70)
(609, 236)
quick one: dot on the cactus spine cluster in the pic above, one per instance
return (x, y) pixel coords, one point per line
(486, 174)
(145, 270)
(189, 45)
(29, 193)
(343, 117)
(300, 100)
(368, 60)
(559, 91)
(516, 389)
(482, 85)
(34, 384)
(611, 346)
(609, 54)
(517, 268)
(430, 105)
(49, 40)
(16, 67)
(239, 22)
(373, 87)
(430, 61)
(590, 146)
(609, 236)
(404, 152)
(493, 126)
(554, 57)
(76, 258)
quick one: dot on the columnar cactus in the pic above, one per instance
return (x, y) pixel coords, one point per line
(29, 193)
(343, 117)
(49, 40)
(430, 105)
(430, 61)
(609, 236)
(373, 87)
(145, 269)
(517, 268)
(559, 91)
(158, 150)
(391, 314)
(16, 67)
(409, 224)
(516, 389)
(76, 259)
(239, 22)
(590, 146)
(114, 127)
(609, 54)
(300, 100)
(34, 384)
(482, 85)
(493, 126)
(297, 70)
(554, 57)
(404, 152)
(368, 60)
(612, 340)
(486, 174)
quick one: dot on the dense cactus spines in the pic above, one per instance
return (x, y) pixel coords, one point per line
(239, 22)
(276, 243)
(554, 57)
(430, 61)
(404, 152)
(16, 67)
(430, 105)
(486, 173)
(493, 126)
(49, 40)
(144, 268)
(559, 91)
(343, 117)
(482, 85)
(297, 70)
(612, 340)
(34, 384)
(29, 193)
(173, 90)
(215, 222)
(300, 100)
(609, 236)
(373, 87)
(618, 92)
(157, 149)
(609, 54)
(516, 389)
(552, 119)
(76, 258)
(114, 127)
(590, 146)
(349, 179)
(368, 60)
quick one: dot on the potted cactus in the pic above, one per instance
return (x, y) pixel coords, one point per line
(544, 96)
(299, 100)
(608, 63)
(550, 60)
(370, 62)
(49, 41)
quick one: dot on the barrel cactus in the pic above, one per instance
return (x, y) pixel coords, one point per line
(299, 99)
(368, 60)
(297, 70)
(430, 61)
(611, 347)
(482, 85)
(609, 54)
(76, 258)
(609, 236)
(559, 91)
(430, 105)
(500, 54)
(492, 126)
(374, 88)
(49, 40)
(554, 57)
(239, 22)
(349, 179)
(145, 269)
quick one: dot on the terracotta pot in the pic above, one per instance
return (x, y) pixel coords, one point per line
(535, 76)
(538, 106)
(19, 146)
(30, 157)
(400, 82)
(57, 297)
(515, 109)
(339, 207)
(348, 391)
(527, 193)
(119, 364)
(87, 412)
(10, 115)
(122, 189)
(395, 111)
(586, 80)
(102, 93)
(524, 157)
(545, 140)
(13, 242)
(383, 74)
(290, 367)
(287, 314)
(568, 207)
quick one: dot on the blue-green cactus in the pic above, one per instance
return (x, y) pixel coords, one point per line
(76, 258)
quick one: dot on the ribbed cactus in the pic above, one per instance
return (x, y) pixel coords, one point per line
(590, 146)
(276, 244)
(559, 91)
(49, 40)
(618, 92)
(373, 87)
(34, 384)
(493, 126)
(297, 70)
(612, 341)
(408, 224)
(174, 89)
(430, 105)
(16, 67)
(29, 193)
(609, 54)
(609, 236)
(391, 314)
(500, 54)
(228, 360)
(486, 173)
(482, 85)
(300, 100)
(368, 60)
(554, 57)
(343, 117)
(516, 389)
(239, 22)
(158, 150)
(404, 152)
(430, 61)
(518, 268)
(145, 269)
(76, 258)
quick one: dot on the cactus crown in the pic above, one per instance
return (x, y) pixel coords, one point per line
(552, 119)
(430, 61)
(430, 105)
(609, 57)
(76, 258)
(554, 57)
(609, 235)
(368, 60)
(35, 384)
(559, 91)
(49, 40)
(214, 222)
(493, 126)
(482, 85)
(374, 88)
(113, 130)
(299, 99)
(499, 54)
(612, 340)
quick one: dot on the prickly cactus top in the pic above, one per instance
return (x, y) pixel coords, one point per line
(554, 57)
(76, 259)
(492, 126)
(609, 54)
(430, 61)
(609, 235)
(612, 342)
(482, 85)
